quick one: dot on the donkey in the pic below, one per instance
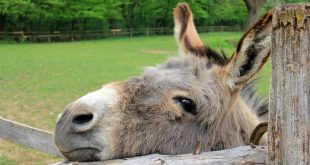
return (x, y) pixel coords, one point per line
(199, 97)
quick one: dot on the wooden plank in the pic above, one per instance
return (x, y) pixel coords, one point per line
(289, 115)
(244, 155)
(28, 136)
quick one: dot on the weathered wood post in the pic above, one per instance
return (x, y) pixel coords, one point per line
(289, 128)
(49, 37)
(130, 32)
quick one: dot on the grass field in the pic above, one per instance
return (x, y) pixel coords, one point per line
(38, 80)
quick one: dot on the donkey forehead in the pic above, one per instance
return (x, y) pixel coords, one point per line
(185, 62)
(180, 71)
(189, 74)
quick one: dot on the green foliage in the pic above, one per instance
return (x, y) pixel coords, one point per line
(68, 15)
(227, 11)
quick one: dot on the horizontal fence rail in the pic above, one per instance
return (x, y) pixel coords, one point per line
(54, 36)
(29, 136)
(244, 155)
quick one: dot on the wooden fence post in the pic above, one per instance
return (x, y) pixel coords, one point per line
(289, 116)
(130, 32)
(147, 31)
(49, 37)
(72, 35)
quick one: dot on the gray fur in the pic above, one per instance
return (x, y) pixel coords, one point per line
(140, 116)
(173, 135)
(258, 104)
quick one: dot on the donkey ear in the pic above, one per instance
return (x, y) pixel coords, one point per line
(188, 38)
(252, 52)
(185, 30)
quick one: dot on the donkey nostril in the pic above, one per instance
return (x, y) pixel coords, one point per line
(82, 119)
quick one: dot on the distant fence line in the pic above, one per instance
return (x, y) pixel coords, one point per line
(21, 36)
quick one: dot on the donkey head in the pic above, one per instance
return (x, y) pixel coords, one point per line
(170, 107)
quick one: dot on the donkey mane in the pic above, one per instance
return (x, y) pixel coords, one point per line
(205, 51)
(258, 105)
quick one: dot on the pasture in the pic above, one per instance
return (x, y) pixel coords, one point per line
(38, 80)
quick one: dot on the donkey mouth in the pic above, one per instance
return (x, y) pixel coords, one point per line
(83, 154)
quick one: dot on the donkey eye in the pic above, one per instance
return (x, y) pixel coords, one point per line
(187, 104)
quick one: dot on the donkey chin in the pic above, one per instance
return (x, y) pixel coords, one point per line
(81, 148)
(79, 144)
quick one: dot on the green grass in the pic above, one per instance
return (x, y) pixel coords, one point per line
(38, 80)
(6, 161)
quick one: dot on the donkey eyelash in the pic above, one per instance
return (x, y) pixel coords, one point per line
(187, 104)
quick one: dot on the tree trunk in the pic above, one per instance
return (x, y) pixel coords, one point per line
(39, 23)
(253, 7)
(73, 22)
(84, 28)
(289, 116)
(2, 22)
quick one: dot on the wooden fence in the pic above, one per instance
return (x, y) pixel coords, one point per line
(289, 116)
(289, 109)
(55, 36)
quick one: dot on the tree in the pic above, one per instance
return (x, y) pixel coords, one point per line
(253, 7)
(225, 12)
(19, 12)
(47, 14)
(76, 15)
